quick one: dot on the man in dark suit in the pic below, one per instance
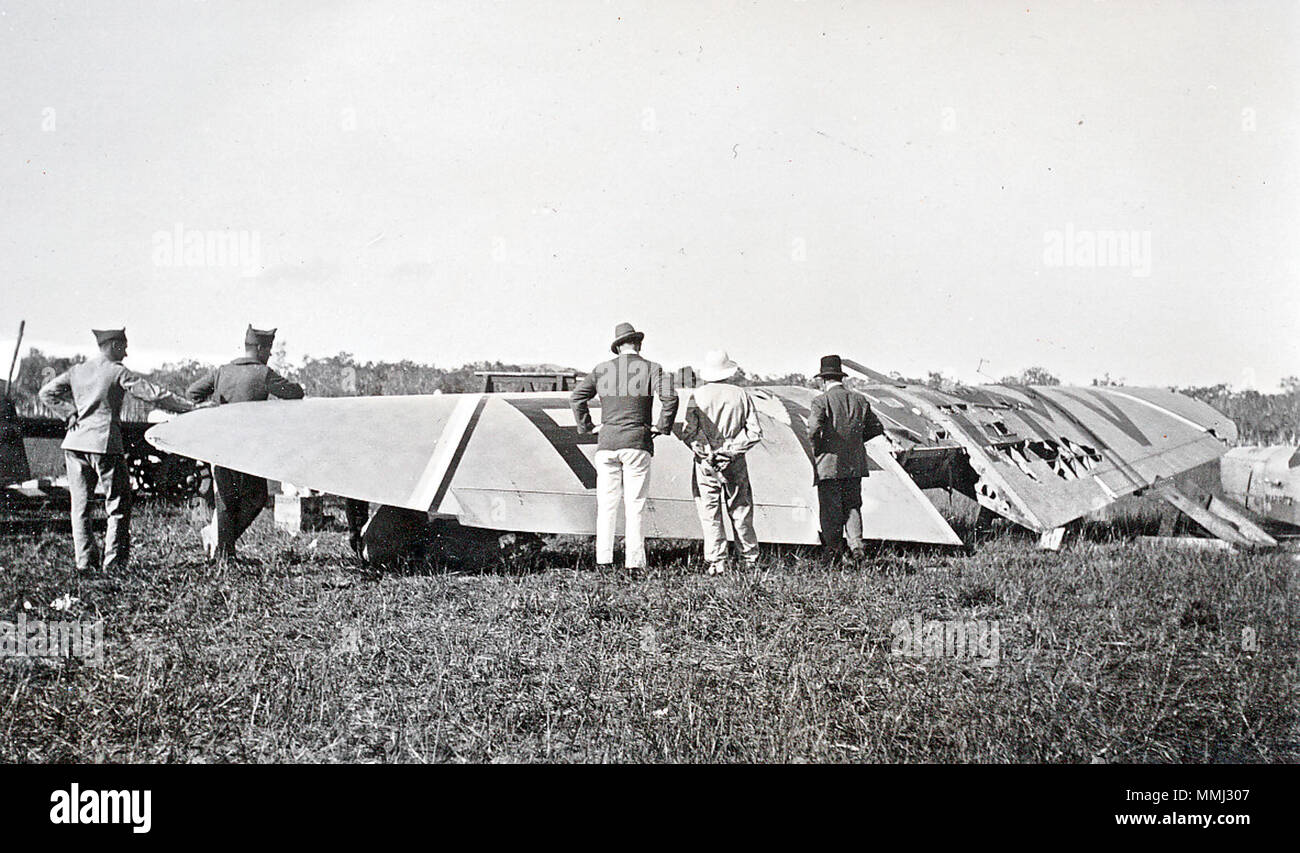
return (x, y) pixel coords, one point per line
(240, 497)
(840, 424)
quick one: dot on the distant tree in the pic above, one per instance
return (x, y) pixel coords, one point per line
(34, 370)
(1260, 418)
(797, 379)
(1031, 376)
(342, 375)
(936, 380)
(180, 375)
(403, 377)
(1105, 380)
(333, 376)
(279, 357)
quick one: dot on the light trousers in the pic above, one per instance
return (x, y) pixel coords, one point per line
(621, 475)
(85, 470)
(726, 491)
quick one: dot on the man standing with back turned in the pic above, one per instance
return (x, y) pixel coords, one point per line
(93, 449)
(840, 423)
(240, 497)
(721, 426)
(627, 386)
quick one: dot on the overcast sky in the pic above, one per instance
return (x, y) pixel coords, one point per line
(911, 184)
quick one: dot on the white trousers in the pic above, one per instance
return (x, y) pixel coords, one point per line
(625, 475)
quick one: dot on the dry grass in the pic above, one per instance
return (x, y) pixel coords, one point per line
(1110, 650)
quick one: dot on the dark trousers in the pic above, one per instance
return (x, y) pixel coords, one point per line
(85, 471)
(839, 504)
(357, 513)
(240, 498)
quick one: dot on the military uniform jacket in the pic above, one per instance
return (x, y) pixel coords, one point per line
(840, 423)
(243, 380)
(627, 386)
(94, 391)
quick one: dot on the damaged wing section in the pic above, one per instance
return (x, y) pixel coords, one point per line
(1043, 456)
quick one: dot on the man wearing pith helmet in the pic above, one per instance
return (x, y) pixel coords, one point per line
(627, 386)
(840, 423)
(240, 497)
(721, 426)
(90, 395)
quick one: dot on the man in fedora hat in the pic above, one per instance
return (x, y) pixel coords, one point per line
(840, 423)
(90, 395)
(239, 497)
(627, 386)
(721, 426)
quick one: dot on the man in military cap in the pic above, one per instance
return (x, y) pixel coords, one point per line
(240, 497)
(627, 386)
(91, 395)
(840, 423)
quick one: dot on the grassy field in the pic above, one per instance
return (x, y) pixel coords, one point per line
(1109, 651)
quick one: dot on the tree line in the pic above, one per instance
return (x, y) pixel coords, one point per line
(1260, 418)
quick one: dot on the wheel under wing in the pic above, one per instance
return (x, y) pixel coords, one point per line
(517, 462)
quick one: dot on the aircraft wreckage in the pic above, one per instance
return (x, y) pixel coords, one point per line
(1039, 456)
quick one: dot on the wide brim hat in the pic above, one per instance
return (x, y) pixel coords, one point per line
(624, 333)
(831, 368)
(717, 367)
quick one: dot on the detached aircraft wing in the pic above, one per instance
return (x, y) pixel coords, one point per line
(517, 462)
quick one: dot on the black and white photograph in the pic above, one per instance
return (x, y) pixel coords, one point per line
(612, 382)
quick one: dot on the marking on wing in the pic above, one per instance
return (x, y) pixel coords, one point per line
(798, 415)
(432, 485)
(1160, 409)
(565, 438)
(1112, 413)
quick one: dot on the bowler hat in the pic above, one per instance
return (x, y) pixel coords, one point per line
(103, 336)
(623, 333)
(258, 337)
(831, 367)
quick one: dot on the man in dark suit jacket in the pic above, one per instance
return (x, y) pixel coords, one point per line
(840, 424)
